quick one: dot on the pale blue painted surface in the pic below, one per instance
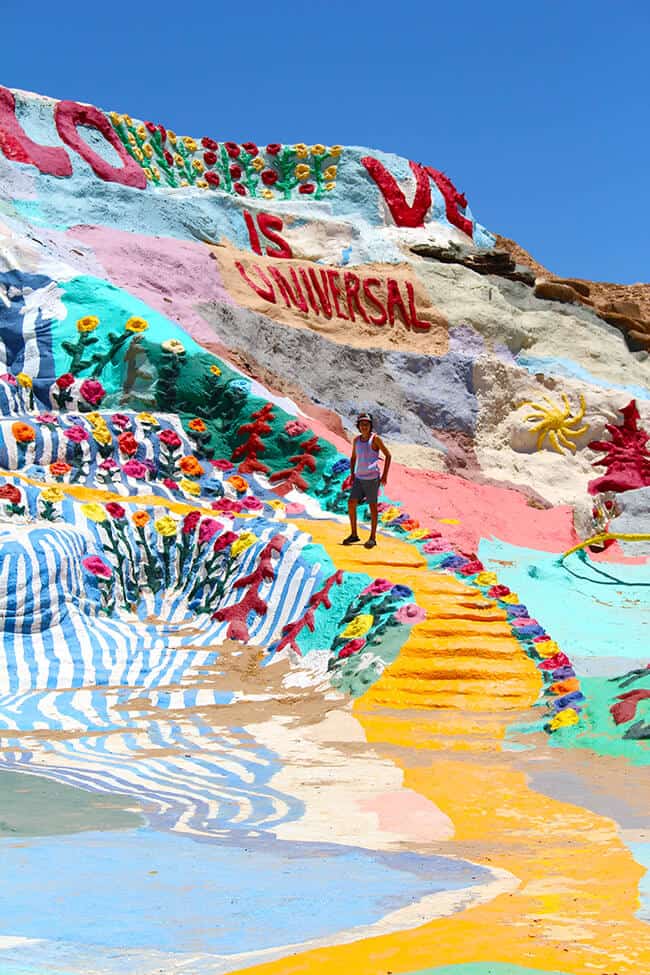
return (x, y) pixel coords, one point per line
(566, 367)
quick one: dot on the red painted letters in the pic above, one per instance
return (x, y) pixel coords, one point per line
(19, 147)
(69, 115)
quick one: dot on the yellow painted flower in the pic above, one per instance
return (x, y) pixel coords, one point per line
(318, 149)
(127, 120)
(94, 418)
(141, 131)
(301, 150)
(132, 139)
(137, 152)
(179, 160)
(547, 648)
(267, 194)
(24, 380)
(201, 183)
(276, 505)
(390, 513)
(330, 172)
(359, 626)
(94, 512)
(258, 163)
(165, 526)
(190, 487)
(564, 719)
(335, 151)
(148, 418)
(171, 136)
(148, 150)
(330, 186)
(510, 598)
(115, 117)
(87, 324)
(245, 540)
(184, 182)
(486, 579)
(189, 144)
(102, 435)
(156, 173)
(198, 165)
(417, 534)
(136, 325)
(302, 171)
(173, 345)
(215, 370)
(52, 494)
(148, 174)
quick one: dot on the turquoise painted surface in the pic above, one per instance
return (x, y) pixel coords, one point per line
(588, 614)
(641, 853)
(486, 968)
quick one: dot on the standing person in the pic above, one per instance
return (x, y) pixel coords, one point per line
(364, 467)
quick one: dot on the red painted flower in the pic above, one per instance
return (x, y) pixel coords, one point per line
(307, 188)
(170, 439)
(352, 646)
(133, 468)
(121, 421)
(92, 391)
(238, 188)
(97, 567)
(224, 541)
(170, 485)
(235, 171)
(169, 159)
(222, 465)
(190, 522)
(232, 149)
(163, 132)
(209, 158)
(211, 178)
(127, 443)
(273, 149)
(115, 510)
(269, 177)
(250, 148)
(498, 592)
(209, 143)
(150, 127)
(10, 493)
(65, 381)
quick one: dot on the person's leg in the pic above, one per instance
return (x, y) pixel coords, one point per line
(373, 521)
(352, 512)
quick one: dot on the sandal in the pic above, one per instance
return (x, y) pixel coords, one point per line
(371, 543)
(351, 539)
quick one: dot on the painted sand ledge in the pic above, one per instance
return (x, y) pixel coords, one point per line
(227, 742)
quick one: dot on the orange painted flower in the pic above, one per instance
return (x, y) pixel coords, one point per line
(197, 425)
(190, 465)
(140, 519)
(238, 483)
(59, 467)
(23, 432)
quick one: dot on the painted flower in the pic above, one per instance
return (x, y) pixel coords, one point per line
(87, 324)
(198, 165)
(410, 614)
(471, 568)
(173, 346)
(169, 159)
(294, 508)
(301, 150)
(418, 534)
(109, 465)
(52, 494)
(22, 432)
(258, 164)
(436, 545)
(269, 177)
(212, 179)
(359, 626)
(377, 587)
(352, 646)
(148, 419)
(273, 148)
(189, 143)
(92, 391)
(190, 466)
(97, 567)
(302, 171)
(134, 468)
(102, 435)
(402, 592)
(215, 370)
(94, 512)
(209, 158)
(48, 418)
(295, 427)
(115, 510)
(65, 381)
(190, 487)
(9, 493)
(267, 194)
(59, 468)
(170, 439)
(335, 151)
(165, 526)
(24, 380)
(208, 143)
(235, 171)
(172, 137)
(250, 148)
(252, 503)
(6, 377)
(232, 149)
(121, 421)
(307, 188)
(170, 484)
(245, 540)
(238, 188)
(224, 541)
(136, 325)
(238, 483)
(223, 465)
(318, 150)
(498, 592)
(140, 519)
(486, 579)
(197, 425)
(330, 172)
(190, 521)
(127, 443)
(147, 150)
(208, 529)
(330, 186)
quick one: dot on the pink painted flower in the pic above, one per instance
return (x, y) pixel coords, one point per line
(76, 434)
(251, 503)
(170, 484)
(134, 468)
(224, 541)
(410, 613)
(121, 421)
(223, 465)
(225, 506)
(6, 377)
(523, 621)
(48, 418)
(170, 439)
(92, 391)
(352, 646)
(295, 427)
(376, 587)
(190, 521)
(294, 508)
(108, 465)
(115, 510)
(97, 567)
(208, 529)
(436, 545)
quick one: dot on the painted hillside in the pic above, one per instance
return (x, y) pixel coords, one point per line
(208, 704)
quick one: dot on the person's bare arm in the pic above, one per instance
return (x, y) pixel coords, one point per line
(353, 458)
(383, 449)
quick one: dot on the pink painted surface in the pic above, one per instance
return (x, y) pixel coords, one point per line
(406, 811)
(158, 268)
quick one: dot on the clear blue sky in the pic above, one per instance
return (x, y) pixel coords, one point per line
(539, 112)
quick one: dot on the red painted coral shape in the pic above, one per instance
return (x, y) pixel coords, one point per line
(627, 458)
(321, 598)
(253, 445)
(237, 614)
(292, 476)
(625, 709)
